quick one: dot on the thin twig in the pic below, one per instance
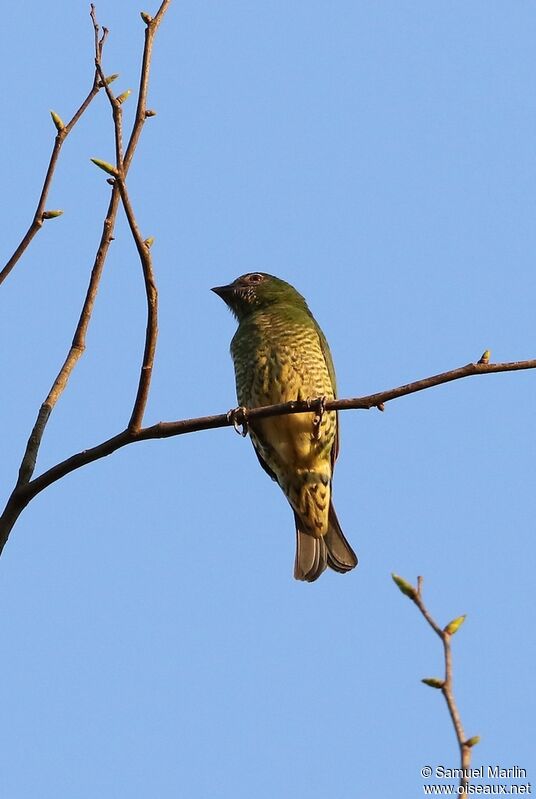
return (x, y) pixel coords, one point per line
(447, 689)
(38, 218)
(151, 333)
(117, 111)
(446, 684)
(77, 348)
(29, 459)
(141, 107)
(24, 493)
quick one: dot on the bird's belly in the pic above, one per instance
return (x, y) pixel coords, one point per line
(286, 374)
(283, 376)
(291, 437)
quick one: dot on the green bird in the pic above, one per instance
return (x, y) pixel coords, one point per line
(280, 354)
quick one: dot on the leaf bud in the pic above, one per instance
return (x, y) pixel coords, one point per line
(104, 165)
(454, 625)
(433, 682)
(57, 120)
(122, 97)
(404, 586)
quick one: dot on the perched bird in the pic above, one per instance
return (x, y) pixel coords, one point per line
(280, 354)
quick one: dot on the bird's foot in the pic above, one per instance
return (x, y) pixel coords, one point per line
(238, 418)
(319, 405)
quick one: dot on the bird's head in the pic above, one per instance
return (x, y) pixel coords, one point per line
(257, 291)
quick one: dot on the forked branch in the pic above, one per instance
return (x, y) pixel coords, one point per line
(444, 684)
(29, 459)
(41, 214)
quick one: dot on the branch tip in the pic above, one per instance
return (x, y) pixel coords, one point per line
(445, 684)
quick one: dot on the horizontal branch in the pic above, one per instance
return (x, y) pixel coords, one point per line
(23, 494)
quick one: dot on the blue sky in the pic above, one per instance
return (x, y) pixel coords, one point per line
(381, 157)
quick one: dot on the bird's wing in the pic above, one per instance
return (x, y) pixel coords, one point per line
(331, 369)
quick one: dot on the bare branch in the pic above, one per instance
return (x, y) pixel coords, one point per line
(143, 248)
(470, 369)
(28, 463)
(445, 685)
(24, 492)
(141, 108)
(151, 332)
(77, 348)
(117, 112)
(40, 212)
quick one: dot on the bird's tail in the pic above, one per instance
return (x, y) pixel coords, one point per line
(313, 553)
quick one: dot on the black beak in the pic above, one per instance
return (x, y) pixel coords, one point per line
(223, 291)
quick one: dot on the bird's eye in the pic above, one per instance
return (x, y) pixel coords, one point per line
(255, 278)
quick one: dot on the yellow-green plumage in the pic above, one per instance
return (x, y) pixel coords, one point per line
(280, 354)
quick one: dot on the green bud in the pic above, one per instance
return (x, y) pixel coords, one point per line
(404, 586)
(104, 165)
(472, 741)
(433, 682)
(146, 17)
(51, 214)
(486, 355)
(122, 97)
(149, 242)
(57, 120)
(454, 625)
(108, 80)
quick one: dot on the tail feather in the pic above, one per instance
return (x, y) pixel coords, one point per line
(314, 554)
(341, 556)
(311, 554)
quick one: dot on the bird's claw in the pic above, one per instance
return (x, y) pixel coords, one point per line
(238, 418)
(319, 404)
